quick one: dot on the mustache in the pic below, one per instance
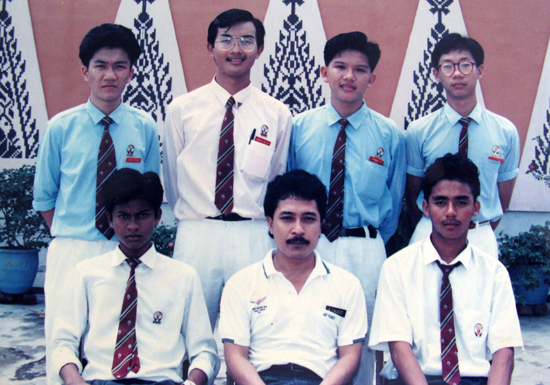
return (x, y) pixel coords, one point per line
(451, 222)
(297, 241)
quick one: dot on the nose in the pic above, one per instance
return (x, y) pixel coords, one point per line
(110, 72)
(133, 225)
(298, 228)
(349, 74)
(451, 210)
(456, 71)
(236, 46)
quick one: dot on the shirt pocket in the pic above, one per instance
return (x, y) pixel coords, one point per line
(371, 183)
(257, 159)
(474, 326)
(327, 323)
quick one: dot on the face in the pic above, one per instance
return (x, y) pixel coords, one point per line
(459, 86)
(450, 207)
(107, 74)
(348, 76)
(134, 223)
(296, 228)
(235, 62)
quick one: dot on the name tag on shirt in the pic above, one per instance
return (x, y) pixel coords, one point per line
(133, 160)
(262, 141)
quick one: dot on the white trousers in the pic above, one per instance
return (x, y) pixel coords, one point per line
(217, 250)
(63, 255)
(482, 236)
(362, 257)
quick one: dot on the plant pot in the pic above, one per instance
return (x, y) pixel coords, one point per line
(537, 293)
(535, 296)
(18, 270)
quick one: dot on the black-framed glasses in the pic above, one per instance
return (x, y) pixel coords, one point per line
(465, 67)
(227, 42)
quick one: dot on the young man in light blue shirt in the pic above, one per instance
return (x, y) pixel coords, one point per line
(374, 167)
(67, 164)
(489, 140)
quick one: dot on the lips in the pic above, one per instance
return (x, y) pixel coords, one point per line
(349, 87)
(236, 59)
(133, 238)
(451, 224)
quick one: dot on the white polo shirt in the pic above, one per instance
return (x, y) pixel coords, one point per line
(407, 308)
(261, 309)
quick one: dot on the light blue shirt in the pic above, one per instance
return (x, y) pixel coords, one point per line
(437, 134)
(374, 185)
(66, 167)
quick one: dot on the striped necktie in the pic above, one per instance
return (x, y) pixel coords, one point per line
(106, 165)
(463, 140)
(335, 208)
(126, 352)
(449, 351)
(226, 157)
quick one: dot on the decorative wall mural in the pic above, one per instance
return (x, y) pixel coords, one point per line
(289, 67)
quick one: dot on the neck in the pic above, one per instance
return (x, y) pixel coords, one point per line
(105, 107)
(448, 249)
(463, 106)
(297, 271)
(233, 84)
(345, 110)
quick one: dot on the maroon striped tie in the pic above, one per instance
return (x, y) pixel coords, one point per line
(449, 351)
(126, 352)
(106, 165)
(335, 208)
(463, 140)
(226, 157)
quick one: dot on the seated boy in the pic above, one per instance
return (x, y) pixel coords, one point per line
(444, 308)
(127, 337)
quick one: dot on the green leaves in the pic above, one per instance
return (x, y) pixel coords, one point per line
(164, 239)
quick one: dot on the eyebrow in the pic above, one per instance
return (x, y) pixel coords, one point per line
(446, 198)
(229, 35)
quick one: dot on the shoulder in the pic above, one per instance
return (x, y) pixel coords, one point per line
(306, 116)
(488, 263)
(404, 260)
(246, 277)
(174, 267)
(344, 278)
(424, 122)
(197, 95)
(498, 122)
(88, 266)
(63, 118)
(259, 95)
(142, 116)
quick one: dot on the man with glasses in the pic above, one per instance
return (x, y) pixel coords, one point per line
(463, 126)
(224, 142)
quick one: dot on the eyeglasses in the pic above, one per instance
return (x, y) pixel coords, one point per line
(465, 67)
(228, 42)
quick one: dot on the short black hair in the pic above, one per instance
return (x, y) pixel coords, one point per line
(127, 184)
(354, 41)
(109, 36)
(452, 167)
(298, 184)
(231, 17)
(457, 42)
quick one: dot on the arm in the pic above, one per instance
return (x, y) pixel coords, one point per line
(70, 375)
(502, 367)
(48, 216)
(412, 191)
(280, 156)
(198, 377)
(406, 363)
(347, 365)
(505, 190)
(172, 144)
(238, 366)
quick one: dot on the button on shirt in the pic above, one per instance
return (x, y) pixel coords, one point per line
(261, 309)
(407, 308)
(193, 125)
(373, 191)
(493, 147)
(95, 295)
(67, 162)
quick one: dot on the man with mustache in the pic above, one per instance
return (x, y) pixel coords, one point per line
(444, 308)
(293, 318)
(463, 126)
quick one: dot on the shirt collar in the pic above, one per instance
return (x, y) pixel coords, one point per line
(319, 269)
(354, 120)
(222, 95)
(454, 116)
(148, 259)
(430, 254)
(97, 115)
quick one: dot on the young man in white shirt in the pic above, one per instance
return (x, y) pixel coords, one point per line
(293, 318)
(445, 309)
(134, 315)
(224, 142)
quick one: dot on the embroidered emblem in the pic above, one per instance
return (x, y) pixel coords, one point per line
(157, 317)
(130, 150)
(264, 130)
(378, 158)
(478, 330)
(495, 155)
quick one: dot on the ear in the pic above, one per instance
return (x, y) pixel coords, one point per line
(110, 220)
(270, 223)
(480, 71)
(324, 73)
(158, 215)
(372, 79)
(260, 50)
(435, 72)
(131, 75)
(210, 49)
(425, 208)
(85, 73)
(477, 206)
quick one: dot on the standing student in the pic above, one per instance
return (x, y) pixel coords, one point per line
(360, 156)
(79, 150)
(224, 142)
(463, 126)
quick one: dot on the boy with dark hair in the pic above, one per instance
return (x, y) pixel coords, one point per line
(268, 308)
(79, 150)
(445, 309)
(224, 142)
(360, 155)
(463, 126)
(138, 313)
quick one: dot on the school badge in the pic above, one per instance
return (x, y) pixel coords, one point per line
(157, 317)
(495, 156)
(264, 130)
(130, 154)
(478, 330)
(378, 158)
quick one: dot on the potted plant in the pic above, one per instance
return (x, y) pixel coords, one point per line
(22, 231)
(527, 258)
